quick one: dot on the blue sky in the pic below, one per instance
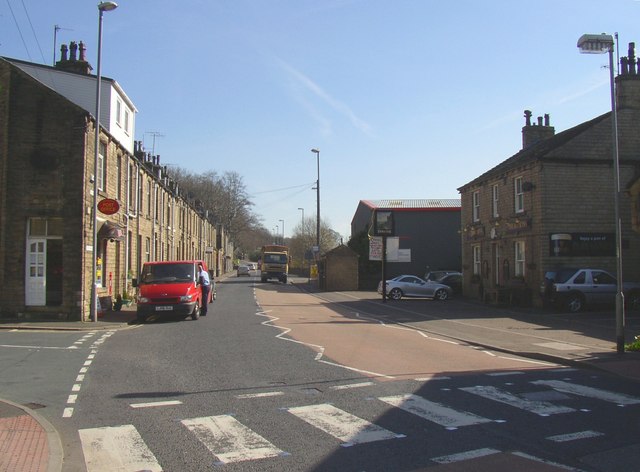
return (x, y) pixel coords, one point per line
(403, 98)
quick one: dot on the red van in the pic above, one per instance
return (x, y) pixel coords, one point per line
(169, 288)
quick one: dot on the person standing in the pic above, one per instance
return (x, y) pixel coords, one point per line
(205, 285)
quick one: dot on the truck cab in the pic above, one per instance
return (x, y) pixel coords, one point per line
(274, 263)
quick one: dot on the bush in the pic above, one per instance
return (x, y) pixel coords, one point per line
(634, 346)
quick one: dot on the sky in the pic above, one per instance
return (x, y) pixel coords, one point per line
(404, 99)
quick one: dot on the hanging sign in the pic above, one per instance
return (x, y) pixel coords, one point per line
(108, 206)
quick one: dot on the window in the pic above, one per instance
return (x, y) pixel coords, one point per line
(119, 112)
(119, 177)
(520, 258)
(519, 195)
(476, 260)
(494, 201)
(102, 157)
(476, 206)
(147, 249)
(126, 121)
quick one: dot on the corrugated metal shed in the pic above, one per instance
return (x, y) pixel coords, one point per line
(415, 204)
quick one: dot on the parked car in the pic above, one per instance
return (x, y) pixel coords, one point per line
(573, 289)
(243, 270)
(453, 280)
(412, 286)
(438, 274)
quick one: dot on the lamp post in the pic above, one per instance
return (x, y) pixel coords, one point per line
(600, 44)
(282, 221)
(102, 7)
(317, 153)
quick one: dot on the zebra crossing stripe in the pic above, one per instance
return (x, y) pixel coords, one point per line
(575, 436)
(229, 440)
(116, 448)
(584, 391)
(465, 456)
(541, 408)
(432, 411)
(344, 426)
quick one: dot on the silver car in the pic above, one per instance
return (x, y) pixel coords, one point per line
(412, 286)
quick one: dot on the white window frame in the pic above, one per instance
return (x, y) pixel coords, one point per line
(126, 120)
(476, 205)
(495, 196)
(477, 259)
(102, 151)
(119, 112)
(518, 195)
(519, 252)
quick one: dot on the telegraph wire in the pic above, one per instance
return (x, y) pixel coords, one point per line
(15, 20)
(33, 31)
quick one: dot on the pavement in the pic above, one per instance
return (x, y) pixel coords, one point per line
(29, 443)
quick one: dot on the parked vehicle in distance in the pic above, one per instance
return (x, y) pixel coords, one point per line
(573, 289)
(169, 288)
(438, 274)
(453, 280)
(412, 286)
(243, 270)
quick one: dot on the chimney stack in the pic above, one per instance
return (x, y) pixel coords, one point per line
(73, 63)
(533, 133)
(628, 82)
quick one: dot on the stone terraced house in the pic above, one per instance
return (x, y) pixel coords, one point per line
(552, 203)
(47, 160)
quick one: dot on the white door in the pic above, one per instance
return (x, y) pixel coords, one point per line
(36, 281)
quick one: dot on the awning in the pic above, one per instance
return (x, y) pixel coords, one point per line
(111, 231)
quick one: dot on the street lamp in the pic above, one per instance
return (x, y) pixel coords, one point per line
(600, 44)
(102, 7)
(282, 221)
(317, 153)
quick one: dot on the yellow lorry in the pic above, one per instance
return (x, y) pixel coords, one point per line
(274, 263)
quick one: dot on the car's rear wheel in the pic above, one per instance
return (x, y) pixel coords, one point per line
(196, 312)
(574, 302)
(395, 294)
(441, 294)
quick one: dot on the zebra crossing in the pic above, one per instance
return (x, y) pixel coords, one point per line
(230, 441)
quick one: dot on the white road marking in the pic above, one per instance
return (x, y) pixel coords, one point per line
(432, 411)
(544, 461)
(259, 395)
(229, 440)
(584, 391)
(118, 448)
(344, 426)
(72, 399)
(76, 387)
(152, 404)
(67, 413)
(538, 407)
(465, 456)
(500, 374)
(356, 385)
(575, 436)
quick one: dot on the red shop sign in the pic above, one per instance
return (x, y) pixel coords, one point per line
(108, 206)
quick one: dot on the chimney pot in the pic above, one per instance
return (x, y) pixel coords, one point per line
(64, 50)
(527, 115)
(73, 48)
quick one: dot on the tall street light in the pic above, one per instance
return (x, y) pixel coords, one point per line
(317, 153)
(102, 7)
(600, 44)
(282, 221)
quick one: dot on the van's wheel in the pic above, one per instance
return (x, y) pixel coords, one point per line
(574, 302)
(196, 312)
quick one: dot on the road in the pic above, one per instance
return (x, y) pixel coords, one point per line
(272, 379)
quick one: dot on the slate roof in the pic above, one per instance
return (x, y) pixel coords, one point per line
(540, 150)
